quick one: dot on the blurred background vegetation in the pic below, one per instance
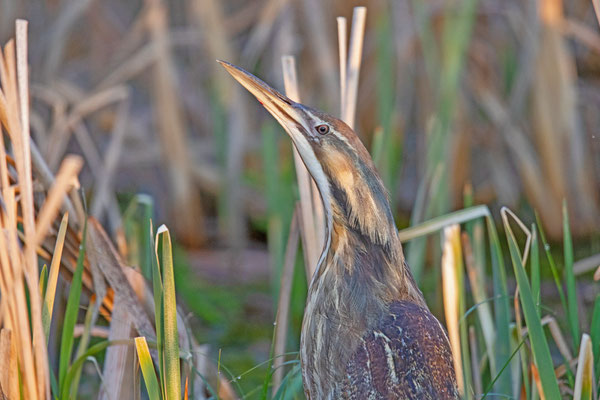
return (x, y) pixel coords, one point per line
(460, 102)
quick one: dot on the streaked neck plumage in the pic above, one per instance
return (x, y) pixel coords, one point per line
(363, 243)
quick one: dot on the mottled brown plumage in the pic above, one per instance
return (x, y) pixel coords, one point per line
(367, 332)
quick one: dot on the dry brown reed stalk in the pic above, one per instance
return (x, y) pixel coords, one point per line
(357, 34)
(586, 264)
(558, 337)
(316, 20)
(172, 129)
(536, 378)
(9, 379)
(574, 29)
(260, 31)
(119, 361)
(102, 253)
(460, 155)
(208, 15)
(65, 179)
(283, 305)
(96, 331)
(343, 53)
(96, 165)
(312, 224)
(526, 160)
(67, 17)
(113, 153)
(451, 256)
(62, 128)
(555, 121)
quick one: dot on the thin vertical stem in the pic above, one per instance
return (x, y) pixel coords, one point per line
(26, 184)
(310, 203)
(343, 50)
(354, 59)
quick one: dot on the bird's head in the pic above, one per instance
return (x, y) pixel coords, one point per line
(352, 191)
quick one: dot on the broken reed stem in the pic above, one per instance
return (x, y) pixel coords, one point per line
(285, 291)
(310, 201)
(354, 58)
(343, 50)
(66, 177)
(27, 210)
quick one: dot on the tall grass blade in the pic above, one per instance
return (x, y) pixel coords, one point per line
(437, 223)
(147, 368)
(572, 311)
(172, 374)
(157, 290)
(553, 269)
(535, 269)
(66, 343)
(82, 346)
(291, 386)
(539, 344)
(136, 222)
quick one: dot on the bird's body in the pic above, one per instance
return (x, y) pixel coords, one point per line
(367, 332)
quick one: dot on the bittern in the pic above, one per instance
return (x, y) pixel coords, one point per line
(367, 332)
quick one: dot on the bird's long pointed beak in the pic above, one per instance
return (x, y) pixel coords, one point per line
(281, 107)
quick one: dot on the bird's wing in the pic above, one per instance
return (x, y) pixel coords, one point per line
(406, 357)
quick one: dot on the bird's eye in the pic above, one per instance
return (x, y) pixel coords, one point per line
(322, 129)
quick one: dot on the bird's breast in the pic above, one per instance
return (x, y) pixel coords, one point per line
(330, 334)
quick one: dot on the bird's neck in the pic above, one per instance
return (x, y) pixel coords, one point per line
(362, 271)
(364, 251)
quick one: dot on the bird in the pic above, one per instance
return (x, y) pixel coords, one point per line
(367, 332)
